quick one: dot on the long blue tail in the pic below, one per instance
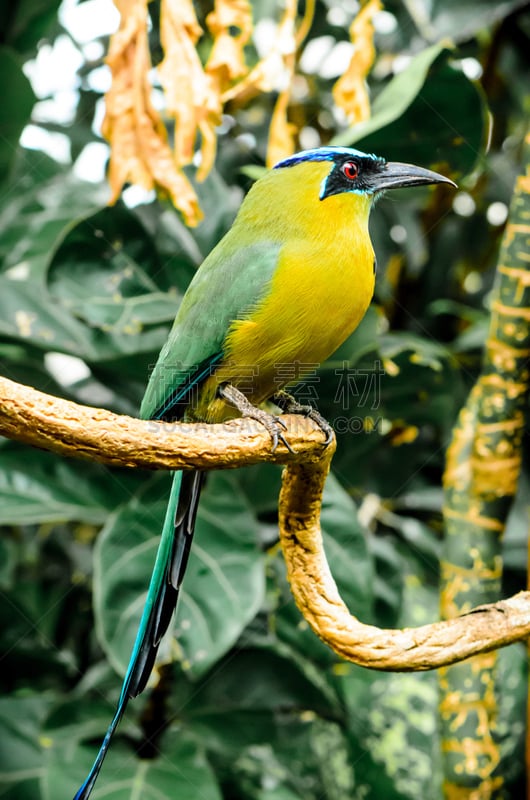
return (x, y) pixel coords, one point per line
(170, 566)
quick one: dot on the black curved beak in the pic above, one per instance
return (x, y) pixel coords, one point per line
(395, 175)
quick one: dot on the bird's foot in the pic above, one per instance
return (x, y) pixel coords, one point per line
(273, 424)
(289, 405)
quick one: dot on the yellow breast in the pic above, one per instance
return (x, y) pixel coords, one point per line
(320, 292)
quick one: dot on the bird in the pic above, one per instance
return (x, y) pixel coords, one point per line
(286, 285)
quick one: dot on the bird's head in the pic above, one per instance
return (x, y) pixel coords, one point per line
(318, 192)
(350, 171)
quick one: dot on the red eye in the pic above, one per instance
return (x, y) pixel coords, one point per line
(350, 170)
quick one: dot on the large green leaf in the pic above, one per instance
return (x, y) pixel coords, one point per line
(26, 314)
(460, 19)
(36, 486)
(224, 584)
(257, 681)
(25, 22)
(181, 770)
(344, 539)
(107, 271)
(15, 108)
(396, 97)
(257, 710)
(332, 754)
(392, 718)
(446, 125)
(29, 314)
(21, 754)
(20, 362)
(430, 113)
(42, 201)
(346, 548)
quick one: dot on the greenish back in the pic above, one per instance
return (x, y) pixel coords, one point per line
(231, 280)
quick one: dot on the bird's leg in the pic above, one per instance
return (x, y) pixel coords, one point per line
(239, 401)
(289, 405)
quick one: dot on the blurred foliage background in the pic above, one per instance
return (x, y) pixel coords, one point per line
(249, 704)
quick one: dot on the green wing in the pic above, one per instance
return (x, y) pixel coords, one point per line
(230, 281)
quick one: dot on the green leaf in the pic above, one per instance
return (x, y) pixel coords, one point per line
(27, 22)
(27, 314)
(266, 677)
(512, 672)
(422, 351)
(277, 793)
(332, 754)
(8, 563)
(251, 710)
(515, 538)
(344, 539)
(36, 487)
(461, 19)
(396, 97)
(107, 271)
(351, 566)
(21, 755)
(430, 113)
(15, 108)
(346, 549)
(393, 734)
(220, 202)
(224, 583)
(392, 718)
(180, 771)
(253, 171)
(43, 200)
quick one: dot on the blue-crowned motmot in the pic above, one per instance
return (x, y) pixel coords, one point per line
(286, 285)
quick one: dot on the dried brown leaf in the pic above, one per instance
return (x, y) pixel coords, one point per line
(140, 152)
(182, 74)
(350, 92)
(230, 24)
(281, 132)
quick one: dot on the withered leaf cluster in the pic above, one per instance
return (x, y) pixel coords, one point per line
(196, 93)
(350, 92)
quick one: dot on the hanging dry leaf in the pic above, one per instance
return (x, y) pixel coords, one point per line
(275, 71)
(231, 27)
(350, 92)
(230, 24)
(182, 74)
(118, 124)
(281, 132)
(140, 152)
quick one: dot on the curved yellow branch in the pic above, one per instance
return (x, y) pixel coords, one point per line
(70, 429)
(316, 594)
(80, 431)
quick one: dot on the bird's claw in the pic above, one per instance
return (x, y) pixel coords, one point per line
(270, 422)
(323, 424)
(290, 405)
